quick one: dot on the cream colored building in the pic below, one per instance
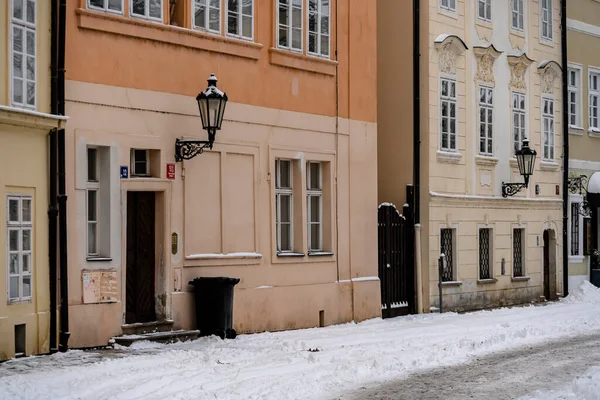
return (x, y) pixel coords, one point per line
(583, 43)
(489, 77)
(24, 127)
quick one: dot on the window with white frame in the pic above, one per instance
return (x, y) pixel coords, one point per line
(284, 206)
(140, 162)
(147, 9)
(574, 97)
(449, 5)
(517, 20)
(518, 120)
(240, 16)
(314, 203)
(19, 247)
(448, 115)
(207, 15)
(447, 248)
(518, 240)
(289, 24)
(106, 5)
(23, 53)
(594, 77)
(575, 231)
(93, 189)
(548, 128)
(486, 111)
(484, 10)
(485, 253)
(546, 19)
(318, 27)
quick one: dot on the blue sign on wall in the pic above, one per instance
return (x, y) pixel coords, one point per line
(124, 171)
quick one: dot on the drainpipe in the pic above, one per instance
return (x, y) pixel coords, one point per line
(62, 193)
(565, 125)
(417, 148)
(53, 207)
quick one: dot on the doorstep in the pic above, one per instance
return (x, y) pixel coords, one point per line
(160, 337)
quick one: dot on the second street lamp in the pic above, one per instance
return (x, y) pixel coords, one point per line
(526, 161)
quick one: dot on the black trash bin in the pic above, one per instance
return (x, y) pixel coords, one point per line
(214, 306)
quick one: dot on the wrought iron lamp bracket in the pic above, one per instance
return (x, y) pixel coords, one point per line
(577, 185)
(188, 149)
(510, 189)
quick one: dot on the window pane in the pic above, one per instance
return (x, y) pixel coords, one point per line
(91, 164)
(315, 176)
(285, 174)
(26, 210)
(325, 25)
(17, 90)
(285, 211)
(315, 236)
(26, 235)
(232, 23)
(13, 210)
(296, 17)
(139, 7)
(18, 9)
(13, 262)
(97, 3)
(297, 38)
(283, 37)
(92, 205)
(31, 11)
(155, 8)
(26, 262)
(30, 35)
(17, 39)
(17, 65)
(30, 93)
(324, 45)
(114, 5)
(27, 286)
(247, 27)
(13, 240)
(14, 287)
(215, 22)
(92, 238)
(286, 237)
(315, 208)
(312, 42)
(247, 7)
(200, 16)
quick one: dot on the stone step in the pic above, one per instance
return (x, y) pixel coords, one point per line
(160, 337)
(147, 327)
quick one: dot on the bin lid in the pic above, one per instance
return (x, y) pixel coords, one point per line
(219, 280)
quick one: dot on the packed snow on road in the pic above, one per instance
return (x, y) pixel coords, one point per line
(309, 363)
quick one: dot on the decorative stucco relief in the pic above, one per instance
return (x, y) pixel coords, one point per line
(517, 76)
(547, 83)
(448, 59)
(485, 69)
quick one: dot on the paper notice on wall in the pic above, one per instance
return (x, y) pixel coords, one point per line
(100, 286)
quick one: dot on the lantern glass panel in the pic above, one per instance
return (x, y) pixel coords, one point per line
(528, 160)
(203, 106)
(213, 112)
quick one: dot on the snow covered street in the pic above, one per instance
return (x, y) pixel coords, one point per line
(327, 363)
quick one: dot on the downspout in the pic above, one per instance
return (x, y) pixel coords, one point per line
(62, 196)
(417, 148)
(53, 206)
(565, 125)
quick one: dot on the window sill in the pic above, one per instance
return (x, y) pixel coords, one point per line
(575, 130)
(549, 165)
(449, 157)
(98, 259)
(520, 278)
(16, 302)
(290, 59)
(514, 163)
(142, 29)
(576, 259)
(290, 254)
(320, 254)
(452, 283)
(547, 42)
(486, 281)
(593, 132)
(488, 161)
(448, 13)
(519, 33)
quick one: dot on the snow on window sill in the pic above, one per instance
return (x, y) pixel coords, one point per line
(486, 160)
(450, 157)
(576, 259)
(320, 253)
(289, 254)
(290, 59)
(520, 278)
(213, 256)
(486, 281)
(98, 259)
(157, 32)
(452, 283)
(594, 132)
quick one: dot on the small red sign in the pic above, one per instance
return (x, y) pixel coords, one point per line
(170, 171)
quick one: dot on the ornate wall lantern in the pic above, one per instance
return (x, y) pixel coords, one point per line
(211, 104)
(526, 161)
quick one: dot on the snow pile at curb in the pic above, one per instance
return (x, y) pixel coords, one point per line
(585, 293)
(585, 387)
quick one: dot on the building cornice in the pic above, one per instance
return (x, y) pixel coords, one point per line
(582, 27)
(31, 119)
(478, 201)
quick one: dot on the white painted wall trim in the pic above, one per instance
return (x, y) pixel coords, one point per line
(582, 27)
(477, 197)
(583, 164)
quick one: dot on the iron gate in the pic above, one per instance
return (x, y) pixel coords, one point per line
(395, 237)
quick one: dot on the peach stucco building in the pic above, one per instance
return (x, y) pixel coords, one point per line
(490, 76)
(299, 135)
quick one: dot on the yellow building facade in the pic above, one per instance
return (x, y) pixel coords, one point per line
(24, 126)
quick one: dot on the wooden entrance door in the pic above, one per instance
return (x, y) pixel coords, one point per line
(546, 265)
(139, 291)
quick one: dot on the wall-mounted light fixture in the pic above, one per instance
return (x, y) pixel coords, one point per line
(212, 104)
(526, 161)
(577, 185)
